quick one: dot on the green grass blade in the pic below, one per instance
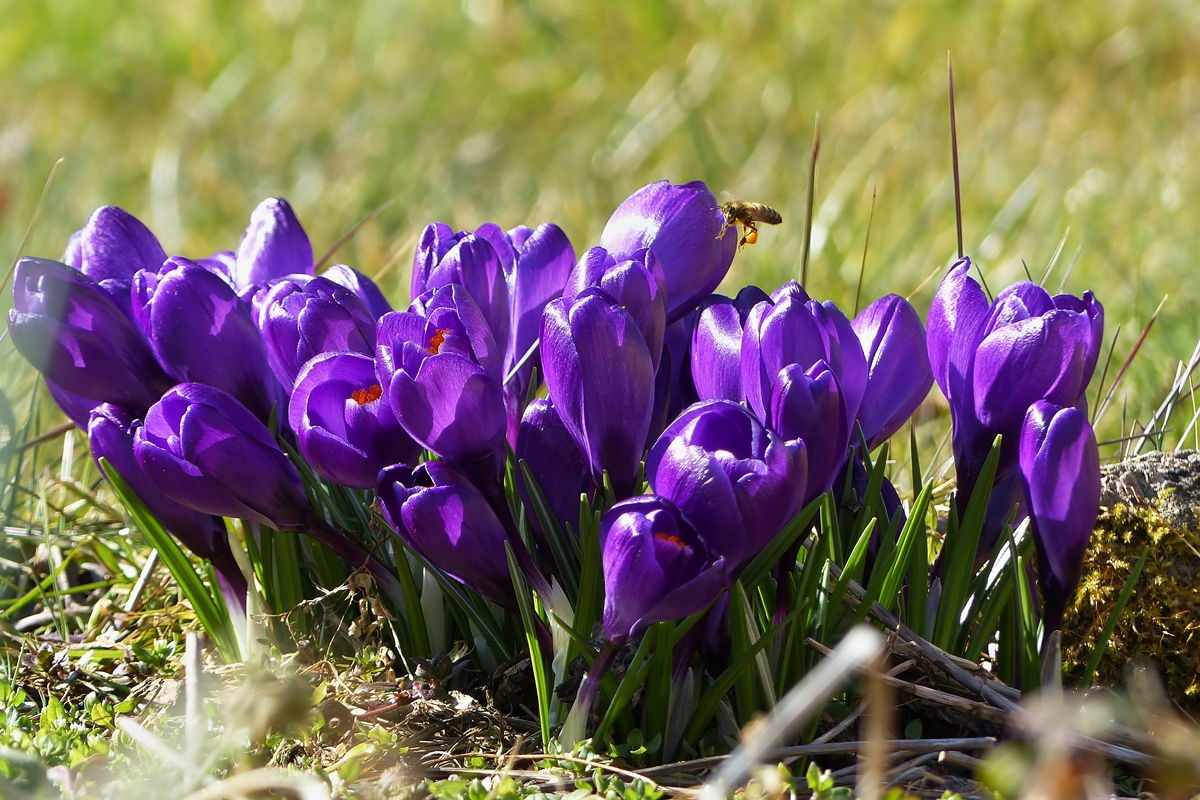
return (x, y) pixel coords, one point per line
(541, 678)
(209, 605)
(1110, 624)
(761, 564)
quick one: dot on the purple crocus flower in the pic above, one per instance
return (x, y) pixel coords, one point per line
(1060, 470)
(898, 372)
(72, 330)
(717, 344)
(201, 332)
(792, 329)
(733, 479)
(438, 512)
(600, 376)
(809, 405)
(674, 388)
(635, 283)
(546, 446)
(679, 224)
(361, 285)
(302, 320)
(444, 257)
(541, 260)
(112, 247)
(203, 449)
(111, 436)
(656, 567)
(438, 367)
(274, 245)
(344, 426)
(994, 361)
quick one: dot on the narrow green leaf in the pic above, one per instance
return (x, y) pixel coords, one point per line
(761, 564)
(635, 676)
(541, 678)
(209, 605)
(568, 565)
(914, 531)
(1110, 624)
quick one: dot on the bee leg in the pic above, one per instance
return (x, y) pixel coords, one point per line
(721, 233)
(749, 234)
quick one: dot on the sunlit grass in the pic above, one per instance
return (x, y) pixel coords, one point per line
(1070, 115)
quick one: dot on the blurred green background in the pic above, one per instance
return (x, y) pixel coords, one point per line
(1071, 114)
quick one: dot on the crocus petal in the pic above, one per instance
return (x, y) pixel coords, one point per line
(202, 332)
(717, 344)
(1060, 467)
(114, 245)
(361, 285)
(679, 224)
(898, 372)
(807, 405)
(956, 317)
(72, 331)
(274, 245)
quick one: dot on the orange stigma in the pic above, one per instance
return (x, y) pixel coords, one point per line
(368, 395)
(675, 540)
(436, 341)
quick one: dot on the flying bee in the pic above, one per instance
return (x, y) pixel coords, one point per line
(748, 215)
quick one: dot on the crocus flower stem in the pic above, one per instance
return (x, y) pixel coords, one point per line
(595, 674)
(348, 549)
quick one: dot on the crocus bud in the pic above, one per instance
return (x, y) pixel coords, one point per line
(656, 567)
(222, 263)
(439, 513)
(546, 446)
(470, 260)
(361, 285)
(114, 245)
(111, 436)
(1060, 469)
(273, 245)
(344, 426)
(302, 320)
(203, 449)
(541, 261)
(679, 225)
(898, 372)
(733, 479)
(992, 362)
(439, 373)
(808, 405)
(201, 332)
(600, 376)
(71, 330)
(717, 344)
(635, 283)
(791, 329)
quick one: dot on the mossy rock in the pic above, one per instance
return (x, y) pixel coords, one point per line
(1147, 501)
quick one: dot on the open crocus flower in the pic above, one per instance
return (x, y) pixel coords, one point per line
(792, 329)
(600, 376)
(444, 257)
(200, 447)
(438, 366)
(1060, 471)
(898, 372)
(112, 247)
(635, 283)
(656, 567)
(301, 320)
(679, 225)
(994, 361)
(201, 332)
(72, 330)
(274, 245)
(111, 437)
(438, 512)
(344, 426)
(737, 482)
(717, 344)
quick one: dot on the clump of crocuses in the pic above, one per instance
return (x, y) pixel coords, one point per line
(528, 409)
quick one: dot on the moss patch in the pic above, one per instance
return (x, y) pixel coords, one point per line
(1162, 620)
